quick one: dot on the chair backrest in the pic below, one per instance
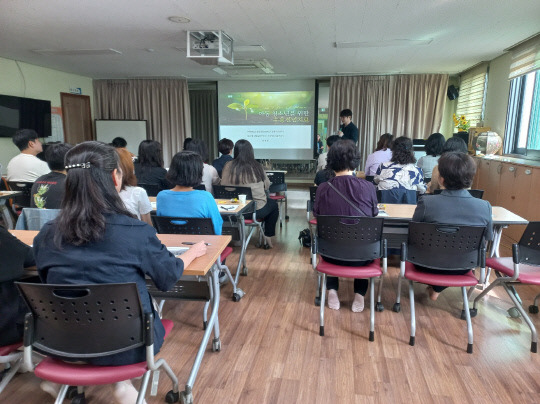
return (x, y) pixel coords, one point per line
(35, 219)
(26, 188)
(200, 187)
(83, 321)
(350, 238)
(231, 191)
(529, 245)
(151, 189)
(311, 202)
(475, 193)
(277, 181)
(446, 246)
(183, 225)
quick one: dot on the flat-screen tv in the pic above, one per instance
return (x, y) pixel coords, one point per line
(24, 113)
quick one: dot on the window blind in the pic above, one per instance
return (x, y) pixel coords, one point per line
(471, 94)
(525, 57)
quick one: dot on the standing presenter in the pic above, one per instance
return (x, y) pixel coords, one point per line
(348, 129)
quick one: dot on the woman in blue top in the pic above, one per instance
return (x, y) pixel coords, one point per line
(95, 239)
(183, 201)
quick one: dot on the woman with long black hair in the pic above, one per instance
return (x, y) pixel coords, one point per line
(245, 171)
(95, 239)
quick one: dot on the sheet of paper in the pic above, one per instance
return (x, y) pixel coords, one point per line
(176, 251)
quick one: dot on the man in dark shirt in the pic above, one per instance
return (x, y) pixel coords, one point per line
(48, 190)
(347, 130)
(225, 147)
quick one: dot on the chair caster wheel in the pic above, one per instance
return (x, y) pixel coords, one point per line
(396, 308)
(78, 399)
(318, 301)
(379, 306)
(473, 312)
(186, 398)
(513, 312)
(216, 345)
(533, 309)
(172, 397)
(238, 295)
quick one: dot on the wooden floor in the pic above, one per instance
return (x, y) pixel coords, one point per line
(272, 351)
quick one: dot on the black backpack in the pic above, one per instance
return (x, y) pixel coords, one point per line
(305, 238)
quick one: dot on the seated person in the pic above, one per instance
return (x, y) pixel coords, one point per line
(48, 190)
(15, 256)
(245, 171)
(399, 179)
(321, 161)
(434, 147)
(454, 144)
(183, 201)
(225, 147)
(26, 167)
(95, 239)
(210, 175)
(382, 154)
(343, 158)
(324, 175)
(149, 166)
(454, 205)
(135, 198)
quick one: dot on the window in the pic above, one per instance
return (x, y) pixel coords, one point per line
(471, 94)
(523, 120)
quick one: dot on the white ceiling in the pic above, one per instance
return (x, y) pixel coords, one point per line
(298, 35)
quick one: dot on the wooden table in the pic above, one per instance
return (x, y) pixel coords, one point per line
(235, 218)
(201, 266)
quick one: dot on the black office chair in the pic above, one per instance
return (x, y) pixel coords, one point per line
(370, 178)
(475, 193)
(83, 322)
(442, 247)
(151, 189)
(351, 239)
(21, 201)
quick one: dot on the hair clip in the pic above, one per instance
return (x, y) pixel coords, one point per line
(79, 165)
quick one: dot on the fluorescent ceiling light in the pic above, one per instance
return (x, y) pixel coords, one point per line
(383, 44)
(78, 52)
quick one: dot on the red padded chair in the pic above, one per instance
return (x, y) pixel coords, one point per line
(442, 247)
(522, 268)
(278, 192)
(82, 322)
(12, 359)
(349, 238)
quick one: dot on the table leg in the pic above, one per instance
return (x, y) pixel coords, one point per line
(213, 324)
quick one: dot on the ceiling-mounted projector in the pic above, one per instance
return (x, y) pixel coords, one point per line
(210, 47)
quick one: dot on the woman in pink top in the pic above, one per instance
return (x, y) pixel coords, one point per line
(382, 154)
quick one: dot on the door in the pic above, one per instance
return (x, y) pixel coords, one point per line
(77, 118)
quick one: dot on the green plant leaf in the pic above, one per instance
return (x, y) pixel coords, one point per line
(246, 102)
(236, 106)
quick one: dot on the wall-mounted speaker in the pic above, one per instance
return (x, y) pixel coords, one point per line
(452, 92)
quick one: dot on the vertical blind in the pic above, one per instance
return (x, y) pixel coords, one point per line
(471, 94)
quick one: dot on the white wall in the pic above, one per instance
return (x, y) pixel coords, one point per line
(498, 89)
(26, 80)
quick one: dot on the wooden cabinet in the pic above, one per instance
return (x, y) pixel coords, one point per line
(488, 175)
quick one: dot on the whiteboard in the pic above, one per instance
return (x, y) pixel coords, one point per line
(133, 131)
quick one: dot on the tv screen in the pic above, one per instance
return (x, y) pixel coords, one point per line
(24, 113)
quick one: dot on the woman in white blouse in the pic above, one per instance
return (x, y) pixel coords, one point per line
(210, 176)
(135, 198)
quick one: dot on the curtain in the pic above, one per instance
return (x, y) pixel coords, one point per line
(404, 105)
(164, 103)
(204, 118)
(525, 57)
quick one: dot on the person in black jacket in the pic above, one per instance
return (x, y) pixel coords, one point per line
(15, 257)
(347, 130)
